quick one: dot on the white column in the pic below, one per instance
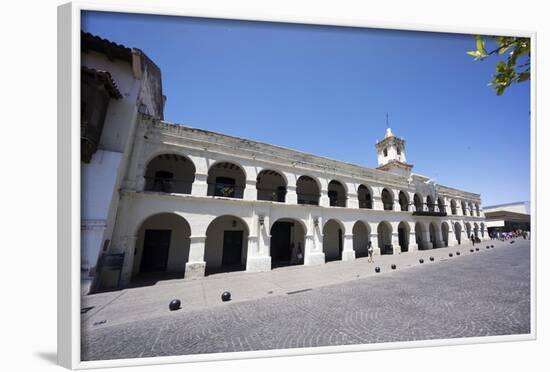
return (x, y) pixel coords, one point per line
(395, 242)
(377, 203)
(291, 196)
(250, 192)
(376, 251)
(324, 201)
(312, 255)
(200, 187)
(348, 253)
(256, 261)
(195, 266)
(413, 247)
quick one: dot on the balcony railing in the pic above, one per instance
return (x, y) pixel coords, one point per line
(275, 195)
(309, 199)
(334, 202)
(225, 190)
(367, 204)
(168, 185)
(388, 206)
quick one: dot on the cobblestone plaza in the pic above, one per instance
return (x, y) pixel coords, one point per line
(483, 293)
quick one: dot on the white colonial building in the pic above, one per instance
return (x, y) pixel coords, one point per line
(189, 202)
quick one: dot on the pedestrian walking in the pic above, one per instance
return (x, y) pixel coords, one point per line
(473, 238)
(370, 250)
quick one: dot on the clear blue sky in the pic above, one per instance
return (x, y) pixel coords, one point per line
(326, 91)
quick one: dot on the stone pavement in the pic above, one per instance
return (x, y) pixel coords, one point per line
(475, 294)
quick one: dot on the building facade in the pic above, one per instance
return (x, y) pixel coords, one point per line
(191, 203)
(508, 217)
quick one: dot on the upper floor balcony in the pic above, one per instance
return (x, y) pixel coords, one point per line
(176, 174)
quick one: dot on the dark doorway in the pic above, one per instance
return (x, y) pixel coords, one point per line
(402, 239)
(340, 244)
(281, 249)
(232, 249)
(156, 245)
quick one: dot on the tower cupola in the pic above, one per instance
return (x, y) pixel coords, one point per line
(391, 154)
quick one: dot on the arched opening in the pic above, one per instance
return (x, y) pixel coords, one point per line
(226, 245)
(307, 190)
(361, 238)
(403, 201)
(471, 207)
(271, 186)
(477, 210)
(403, 232)
(445, 234)
(418, 202)
(476, 230)
(458, 232)
(441, 205)
(420, 235)
(430, 203)
(387, 200)
(463, 206)
(468, 230)
(170, 173)
(384, 238)
(453, 207)
(287, 243)
(365, 197)
(333, 240)
(336, 194)
(162, 247)
(433, 236)
(226, 179)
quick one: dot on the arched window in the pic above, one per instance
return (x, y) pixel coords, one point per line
(365, 197)
(418, 204)
(336, 194)
(403, 201)
(387, 200)
(453, 206)
(430, 203)
(226, 179)
(308, 191)
(441, 205)
(170, 173)
(271, 186)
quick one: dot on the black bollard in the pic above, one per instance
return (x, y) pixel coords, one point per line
(174, 305)
(471, 250)
(421, 260)
(487, 247)
(393, 267)
(458, 253)
(450, 255)
(377, 269)
(492, 246)
(226, 296)
(477, 249)
(431, 258)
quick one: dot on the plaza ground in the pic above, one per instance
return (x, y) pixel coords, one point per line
(483, 293)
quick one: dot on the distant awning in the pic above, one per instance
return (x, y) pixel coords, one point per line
(497, 223)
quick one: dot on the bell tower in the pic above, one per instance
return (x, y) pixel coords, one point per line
(391, 155)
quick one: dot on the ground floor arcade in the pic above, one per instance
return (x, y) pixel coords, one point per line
(193, 242)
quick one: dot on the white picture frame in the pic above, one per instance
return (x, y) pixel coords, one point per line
(69, 184)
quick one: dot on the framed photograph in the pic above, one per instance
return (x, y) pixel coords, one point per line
(241, 187)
